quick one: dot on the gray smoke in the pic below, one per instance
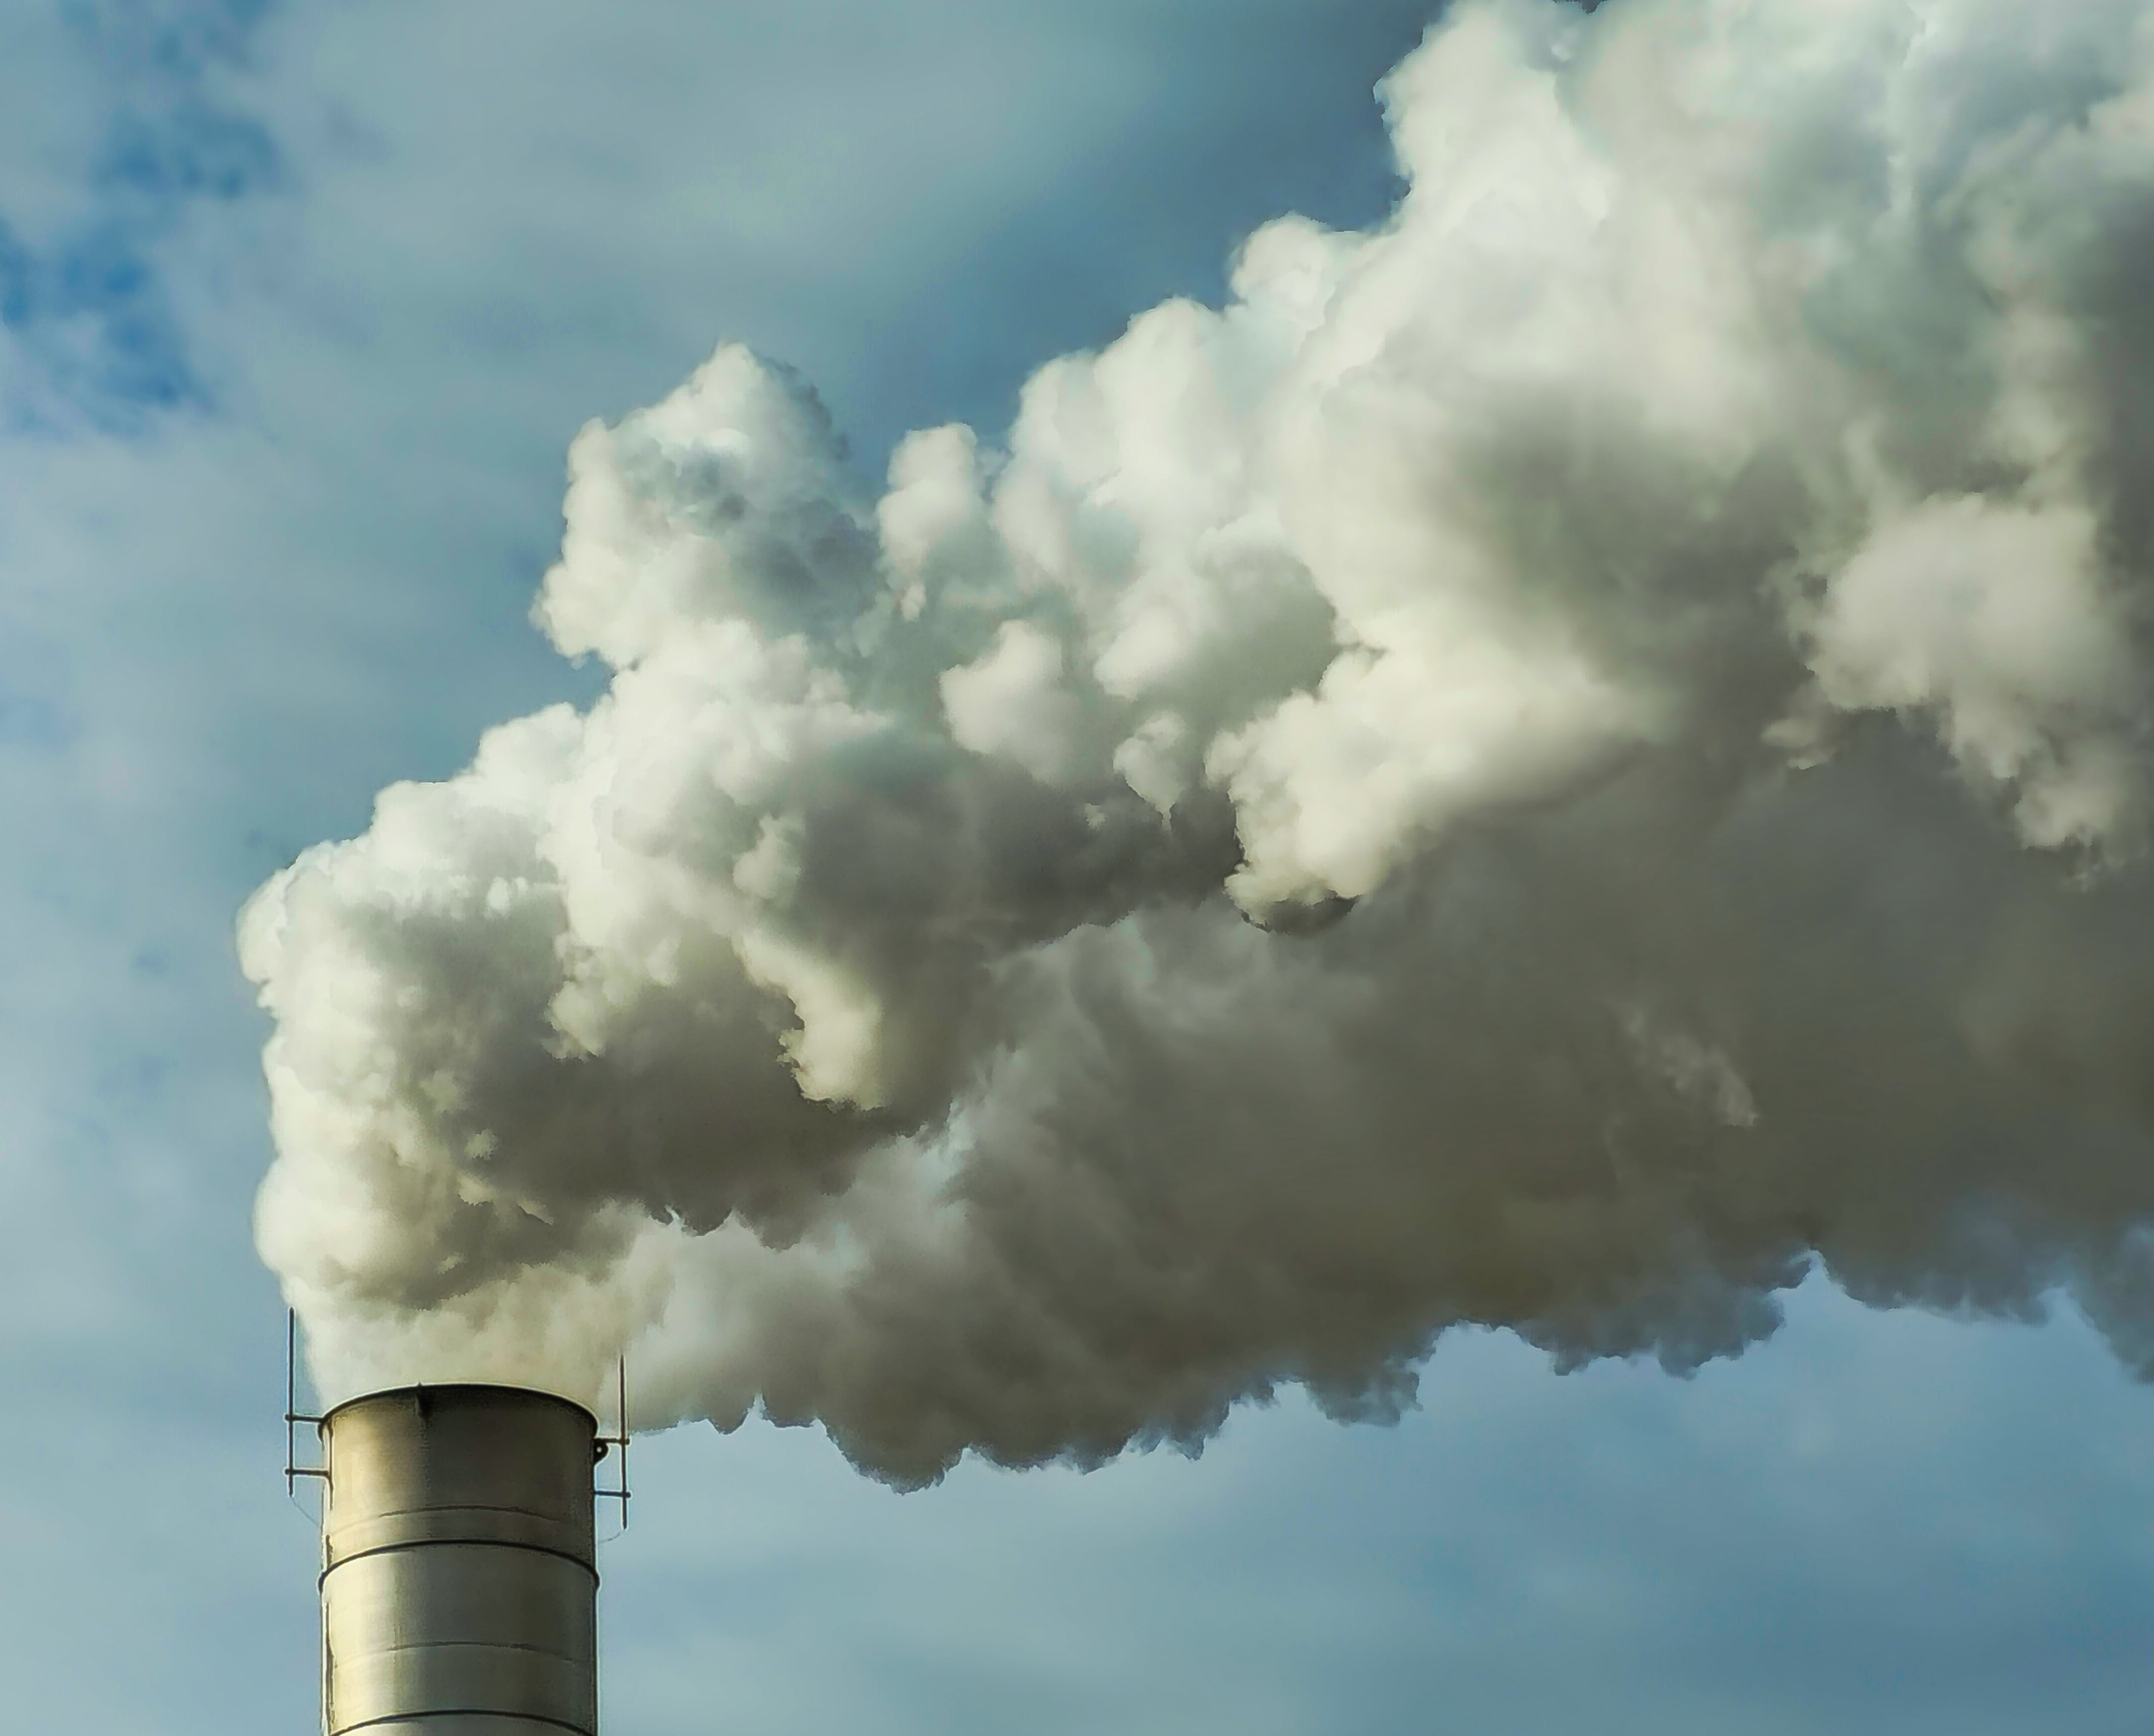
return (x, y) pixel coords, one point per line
(1554, 764)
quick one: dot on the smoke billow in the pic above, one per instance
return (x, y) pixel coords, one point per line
(1553, 763)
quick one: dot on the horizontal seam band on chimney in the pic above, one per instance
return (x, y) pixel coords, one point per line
(482, 1543)
(413, 1717)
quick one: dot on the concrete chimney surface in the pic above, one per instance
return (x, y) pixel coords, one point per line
(459, 1576)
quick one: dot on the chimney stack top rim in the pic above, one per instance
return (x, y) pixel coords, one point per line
(425, 1392)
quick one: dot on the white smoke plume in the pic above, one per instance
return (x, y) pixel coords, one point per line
(1553, 763)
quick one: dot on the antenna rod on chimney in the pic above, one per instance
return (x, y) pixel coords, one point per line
(293, 1470)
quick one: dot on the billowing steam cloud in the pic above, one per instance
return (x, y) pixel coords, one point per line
(1552, 764)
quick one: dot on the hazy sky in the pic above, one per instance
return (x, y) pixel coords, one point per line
(299, 307)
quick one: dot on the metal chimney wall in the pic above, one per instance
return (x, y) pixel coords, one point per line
(459, 1575)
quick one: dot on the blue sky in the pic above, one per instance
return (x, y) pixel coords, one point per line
(299, 307)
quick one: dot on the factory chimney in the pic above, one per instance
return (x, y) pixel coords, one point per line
(459, 1574)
